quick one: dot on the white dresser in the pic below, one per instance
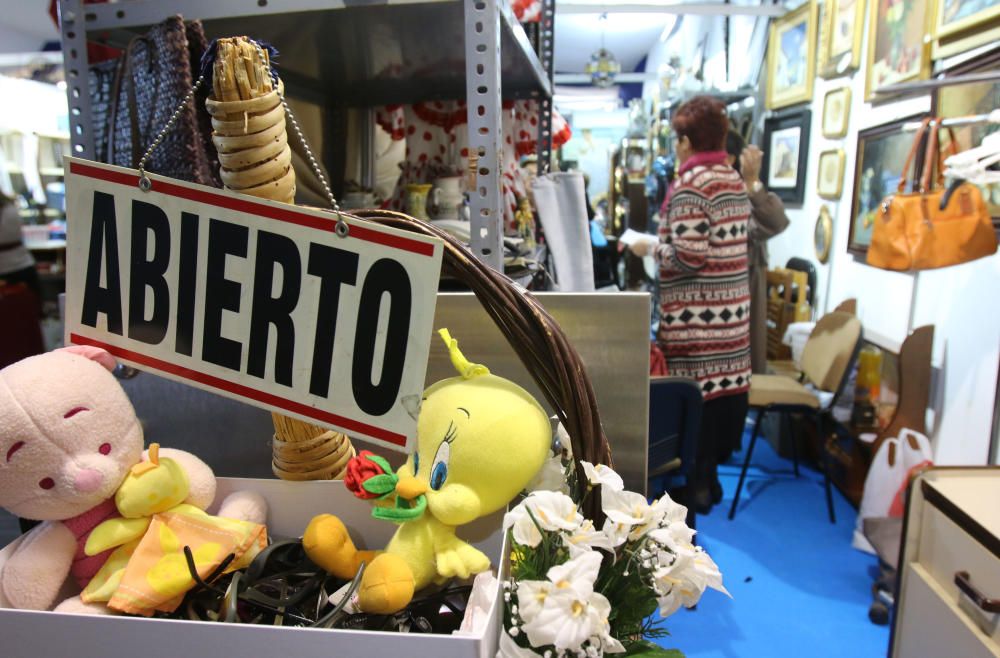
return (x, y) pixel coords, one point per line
(949, 595)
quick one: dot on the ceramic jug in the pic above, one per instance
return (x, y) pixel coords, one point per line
(447, 197)
(416, 200)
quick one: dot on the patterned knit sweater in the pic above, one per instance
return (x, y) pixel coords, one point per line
(704, 288)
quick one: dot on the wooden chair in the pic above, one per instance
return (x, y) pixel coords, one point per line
(827, 360)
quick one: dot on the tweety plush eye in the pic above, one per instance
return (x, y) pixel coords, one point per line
(439, 469)
(416, 463)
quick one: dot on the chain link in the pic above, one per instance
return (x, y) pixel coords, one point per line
(145, 184)
(342, 228)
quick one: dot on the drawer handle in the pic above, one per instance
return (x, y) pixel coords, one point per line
(984, 603)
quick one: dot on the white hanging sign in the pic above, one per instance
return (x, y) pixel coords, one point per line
(255, 300)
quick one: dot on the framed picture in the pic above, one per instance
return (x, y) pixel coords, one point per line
(954, 16)
(972, 99)
(823, 235)
(836, 112)
(830, 181)
(881, 155)
(845, 20)
(897, 48)
(957, 44)
(791, 61)
(786, 144)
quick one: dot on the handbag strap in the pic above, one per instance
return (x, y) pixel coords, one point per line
(913, 152)
(930, 155)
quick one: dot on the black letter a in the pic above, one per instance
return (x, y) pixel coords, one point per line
(103, 240)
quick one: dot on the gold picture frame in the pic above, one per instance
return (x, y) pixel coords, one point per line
(830, 179)
(823, 235)
(836, 112)
(944, 47)
(907, 22)
(964, 17)
(791, 60)
(845, 27)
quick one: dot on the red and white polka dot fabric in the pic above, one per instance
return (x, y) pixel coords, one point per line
(437, 145)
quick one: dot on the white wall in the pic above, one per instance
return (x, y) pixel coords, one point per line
(959, 301)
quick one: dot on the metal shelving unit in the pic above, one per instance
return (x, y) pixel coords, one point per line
(340, 54)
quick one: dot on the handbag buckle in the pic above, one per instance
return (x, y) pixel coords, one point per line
(886, 202)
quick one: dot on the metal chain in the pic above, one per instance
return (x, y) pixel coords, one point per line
(144, 183)
(342, 228)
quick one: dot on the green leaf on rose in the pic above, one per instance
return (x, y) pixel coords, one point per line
(379, 484)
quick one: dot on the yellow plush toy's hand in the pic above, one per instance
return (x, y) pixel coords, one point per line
(460, 560)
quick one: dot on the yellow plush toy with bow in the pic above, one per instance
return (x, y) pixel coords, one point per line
(480, 440)
(148, 570)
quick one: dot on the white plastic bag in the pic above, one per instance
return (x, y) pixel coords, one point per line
(887, 475)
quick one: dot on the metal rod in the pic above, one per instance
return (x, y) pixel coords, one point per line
(654, 7)
(936, 83)
(992, 117)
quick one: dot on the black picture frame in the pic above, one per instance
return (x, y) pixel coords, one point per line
(779, 127)
(882, 174)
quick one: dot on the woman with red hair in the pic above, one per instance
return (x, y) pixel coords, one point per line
(704, 328)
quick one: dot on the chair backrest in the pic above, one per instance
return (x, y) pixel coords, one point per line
(675, 405)
(831, 350)
(803, 265)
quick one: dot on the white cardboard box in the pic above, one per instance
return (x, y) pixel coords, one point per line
(32, 634)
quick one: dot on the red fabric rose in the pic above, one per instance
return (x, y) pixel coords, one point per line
(359, 469)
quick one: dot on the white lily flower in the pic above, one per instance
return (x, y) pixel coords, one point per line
(550, 477)
(704, 572)
(675, 536)
(531, 595)
(625, 507)
(617, 533)
(577, 574)
(567, 620)
(553, 510)
(586, 538)
(526, 533)
(510, 649)
(631, 509)
(603, 476)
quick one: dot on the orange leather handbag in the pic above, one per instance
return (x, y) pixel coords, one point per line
(931, 228)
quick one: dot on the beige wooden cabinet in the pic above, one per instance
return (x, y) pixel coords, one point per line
(949, 595)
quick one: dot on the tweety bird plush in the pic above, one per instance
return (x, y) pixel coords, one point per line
(480, 440)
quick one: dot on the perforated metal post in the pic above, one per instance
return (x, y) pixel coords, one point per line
(77, 66)
(546, 43)
(482, 75)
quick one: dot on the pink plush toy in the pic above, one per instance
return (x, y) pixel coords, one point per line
(68, 437)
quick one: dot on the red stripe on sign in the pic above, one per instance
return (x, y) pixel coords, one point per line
(199, 195)
(244, 391)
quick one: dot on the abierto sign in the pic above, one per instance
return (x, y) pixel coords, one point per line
(255, 300)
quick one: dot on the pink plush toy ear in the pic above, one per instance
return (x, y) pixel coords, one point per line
(93, 353)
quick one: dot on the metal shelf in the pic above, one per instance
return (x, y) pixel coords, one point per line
(357, 53)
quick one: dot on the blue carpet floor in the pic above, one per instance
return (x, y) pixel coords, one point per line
(798, 587)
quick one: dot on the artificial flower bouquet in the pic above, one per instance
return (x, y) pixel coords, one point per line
(576, 590)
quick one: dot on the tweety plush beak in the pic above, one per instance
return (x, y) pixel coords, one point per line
(410, 487)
